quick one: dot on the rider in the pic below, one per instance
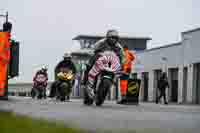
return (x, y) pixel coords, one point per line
(66, 63)
(126, 67)
(110, 42)
(42, 71)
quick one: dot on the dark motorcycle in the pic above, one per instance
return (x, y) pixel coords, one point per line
(39, 87)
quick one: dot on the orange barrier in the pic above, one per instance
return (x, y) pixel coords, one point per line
(4, 60)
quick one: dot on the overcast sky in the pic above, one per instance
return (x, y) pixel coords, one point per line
(45, 28)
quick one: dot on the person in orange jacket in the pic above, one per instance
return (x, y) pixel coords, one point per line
(4, 60)
(126, 67)
(129, 58)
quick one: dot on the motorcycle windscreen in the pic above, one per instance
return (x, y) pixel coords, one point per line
(108, 75)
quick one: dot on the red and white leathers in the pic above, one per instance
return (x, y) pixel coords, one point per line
(106, 58)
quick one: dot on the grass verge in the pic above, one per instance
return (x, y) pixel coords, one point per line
(11, 123)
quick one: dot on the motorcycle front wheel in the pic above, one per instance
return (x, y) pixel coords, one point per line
(33, 93)
(102, 91)
(41, 92)
(64, 91)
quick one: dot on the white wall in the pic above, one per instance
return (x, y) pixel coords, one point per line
(152, 59)
(191, 51)
(178, 56)
(191, 44)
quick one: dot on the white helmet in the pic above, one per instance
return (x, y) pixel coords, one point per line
(44, 68)
(67, 56)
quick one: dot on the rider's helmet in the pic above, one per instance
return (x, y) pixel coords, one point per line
(112, 36)
(44, 69)
(67, 56)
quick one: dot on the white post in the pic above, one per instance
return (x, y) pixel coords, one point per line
(151, 86)
(180, 85)
(190, 83)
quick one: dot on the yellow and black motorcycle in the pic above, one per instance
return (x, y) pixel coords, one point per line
(65, 85)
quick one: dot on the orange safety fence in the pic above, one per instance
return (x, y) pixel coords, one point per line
(4, 60)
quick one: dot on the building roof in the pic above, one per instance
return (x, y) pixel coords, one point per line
(157, 48)
(83, 51)
(189, 31)
(97, 37)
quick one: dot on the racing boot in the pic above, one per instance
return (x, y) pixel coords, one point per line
(90, 90)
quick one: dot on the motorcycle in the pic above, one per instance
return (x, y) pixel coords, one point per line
(104, 82)
(65, 85)
(39, 87)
